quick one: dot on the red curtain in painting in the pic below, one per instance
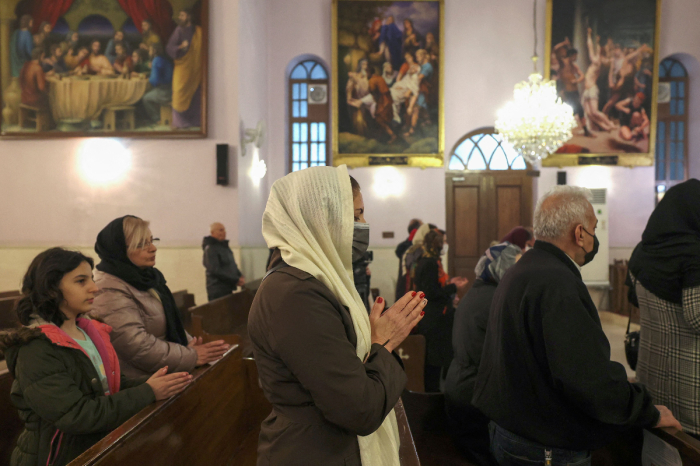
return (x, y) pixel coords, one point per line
(160, 12)
(49, 11)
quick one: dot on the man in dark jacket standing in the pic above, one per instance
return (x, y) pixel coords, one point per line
(223, 276)
(546, 379)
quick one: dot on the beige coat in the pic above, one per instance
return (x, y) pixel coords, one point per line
(138, 329)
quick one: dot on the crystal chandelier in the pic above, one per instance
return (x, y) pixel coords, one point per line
(536, 122)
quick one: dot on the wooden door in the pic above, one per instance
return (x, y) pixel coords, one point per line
(482, 208)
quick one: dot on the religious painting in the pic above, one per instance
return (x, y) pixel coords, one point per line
(603, 56)
(388, 83)
(113, 68)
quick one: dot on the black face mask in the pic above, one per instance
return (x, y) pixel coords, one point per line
(591, 255)
(360, 241)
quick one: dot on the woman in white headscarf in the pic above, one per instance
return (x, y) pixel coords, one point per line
(324, 364)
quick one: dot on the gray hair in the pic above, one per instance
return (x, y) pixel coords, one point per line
(559, 209)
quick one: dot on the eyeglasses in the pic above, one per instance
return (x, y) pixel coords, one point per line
(147, 244)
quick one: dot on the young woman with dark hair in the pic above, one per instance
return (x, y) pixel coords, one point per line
(436, 327)
(68, 387)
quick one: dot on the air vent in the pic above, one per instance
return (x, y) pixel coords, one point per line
(599, 196)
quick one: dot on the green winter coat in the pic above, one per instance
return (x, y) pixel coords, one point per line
(59, 396)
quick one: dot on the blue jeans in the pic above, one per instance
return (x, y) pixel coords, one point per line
(512, 450)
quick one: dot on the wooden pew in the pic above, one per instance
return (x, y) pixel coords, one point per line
(210, 423)
(184, 301)
(227, 315)
(12, 425)
(412, 353)
(428, 422)
(8, 317)
(9, 294)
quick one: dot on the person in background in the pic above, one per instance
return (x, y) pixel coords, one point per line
(161, 79)
(70, 43)
(140, 63)
(136, 302)
(122, 61)
(665, 267)
(111, 50)
(41, 39)
(55, 64)
(32, 81)
(67, 385)
(546, 380)
(21, 45)
(469, 427)
(409, 259)
(223, 276)
(521, 237)
(401, 249)
(77, 60)
(148, 36)
(436, 327)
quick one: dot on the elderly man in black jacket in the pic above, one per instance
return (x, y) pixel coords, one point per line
(223, 276)
(546, 379)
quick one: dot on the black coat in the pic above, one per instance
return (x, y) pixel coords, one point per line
(322, 395)
(222, 271)
(468, 335)
(436, 325)
(545, 371)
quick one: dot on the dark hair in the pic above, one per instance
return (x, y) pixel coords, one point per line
(55, 47)
(120, 44)
(355, 187)
(413, 224)
(187, 10)
(432, 243)
(432, 226)
(158, 49)
(37, 53)
(571, 51)
(40, 286)
(83, 47)
(24, 21)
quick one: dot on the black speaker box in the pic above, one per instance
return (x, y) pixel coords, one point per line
(561, 178)
(222, 164)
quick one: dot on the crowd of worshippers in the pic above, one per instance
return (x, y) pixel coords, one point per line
(523, 361)
(617, 86)
(35, 57)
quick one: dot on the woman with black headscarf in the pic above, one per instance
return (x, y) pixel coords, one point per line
(665, 269)
(135, 301)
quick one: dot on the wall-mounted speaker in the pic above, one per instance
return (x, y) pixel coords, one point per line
(561, 178)
(222, 164)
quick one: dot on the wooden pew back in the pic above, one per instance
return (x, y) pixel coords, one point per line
(8, 317)
(412, 353)
(9, 294)
(12, 425)
(225, 315)
(207, 424)
(184, 301)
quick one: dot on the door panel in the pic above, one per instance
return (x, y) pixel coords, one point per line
(482, 208)
(508, 209)
(466, 226)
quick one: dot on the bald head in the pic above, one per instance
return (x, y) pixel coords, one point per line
(565, 217)
(218, 231)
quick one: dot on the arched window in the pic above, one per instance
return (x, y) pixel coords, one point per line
(672, 126)
(484, 149)
(308, 116)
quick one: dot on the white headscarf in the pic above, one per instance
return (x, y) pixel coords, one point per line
(309, 217)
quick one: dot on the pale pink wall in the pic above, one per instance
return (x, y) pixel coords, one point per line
(488, 49)
(44, 201)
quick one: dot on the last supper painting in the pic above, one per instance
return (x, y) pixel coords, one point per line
(133, 68)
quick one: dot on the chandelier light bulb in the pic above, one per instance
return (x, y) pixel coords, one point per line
(536, 122)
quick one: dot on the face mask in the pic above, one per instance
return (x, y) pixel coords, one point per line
(360, 241)
(590, 255)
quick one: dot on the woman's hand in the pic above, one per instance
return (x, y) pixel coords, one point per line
(207, 352)
(165, 385)
(391, 328)
(460, 282)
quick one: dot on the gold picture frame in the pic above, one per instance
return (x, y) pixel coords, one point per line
(431, 137)
(631, 155)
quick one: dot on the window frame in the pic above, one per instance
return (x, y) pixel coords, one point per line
(666, 118)
(291, 119)
(487, 130)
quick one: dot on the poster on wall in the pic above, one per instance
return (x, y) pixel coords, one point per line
(388, 59)
(603, 55)
(113, 68)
